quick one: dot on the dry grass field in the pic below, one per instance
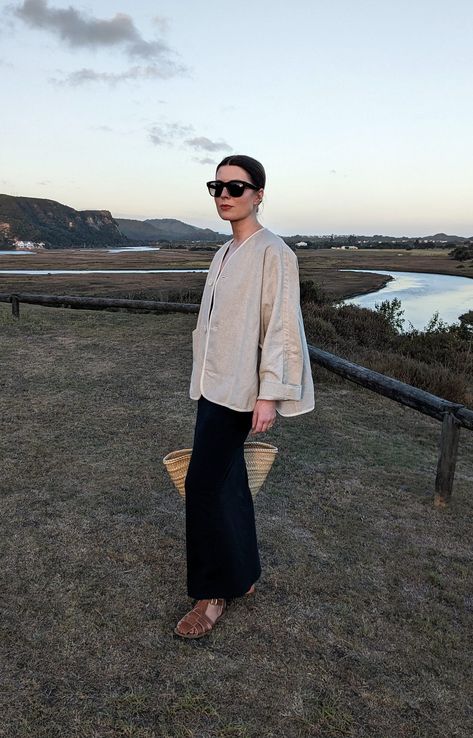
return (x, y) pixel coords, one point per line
(322, 266)
(361, 625)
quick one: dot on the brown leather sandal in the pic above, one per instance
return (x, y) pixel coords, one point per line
(197, 619)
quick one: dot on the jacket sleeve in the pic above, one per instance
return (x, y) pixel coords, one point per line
(281, 360)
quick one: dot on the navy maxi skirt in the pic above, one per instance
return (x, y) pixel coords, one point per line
(221, 544)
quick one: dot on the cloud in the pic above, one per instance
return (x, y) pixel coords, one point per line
(114, 130)
(167, 134)
(80, 30)
(120, 31)
(161, 22)
(150, 71)
(170, 134)
(205, 144)
(103, 129)
(205, 160)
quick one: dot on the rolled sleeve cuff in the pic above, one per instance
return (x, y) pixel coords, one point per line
(278, 391)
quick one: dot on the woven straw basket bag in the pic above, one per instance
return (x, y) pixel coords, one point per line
(259, 459)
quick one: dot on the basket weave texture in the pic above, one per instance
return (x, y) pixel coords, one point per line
(259, 459)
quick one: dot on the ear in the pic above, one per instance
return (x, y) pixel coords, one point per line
(259, 196)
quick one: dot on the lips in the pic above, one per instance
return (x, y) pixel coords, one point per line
(225, 207)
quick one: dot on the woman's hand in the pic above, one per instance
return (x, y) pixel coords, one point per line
(264, 416)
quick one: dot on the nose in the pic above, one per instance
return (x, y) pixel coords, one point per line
(225, 192)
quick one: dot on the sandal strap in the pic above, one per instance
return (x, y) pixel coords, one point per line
(198, 617)
(213, 601)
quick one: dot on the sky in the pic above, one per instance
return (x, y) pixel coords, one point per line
(361, 112)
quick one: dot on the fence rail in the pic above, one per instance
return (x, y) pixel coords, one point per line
(94, 303)
(452, 415)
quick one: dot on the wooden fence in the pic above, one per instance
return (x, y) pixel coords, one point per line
(452, 415)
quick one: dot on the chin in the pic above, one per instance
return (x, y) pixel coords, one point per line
(227, 215)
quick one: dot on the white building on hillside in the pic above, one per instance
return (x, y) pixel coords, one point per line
(28, 245)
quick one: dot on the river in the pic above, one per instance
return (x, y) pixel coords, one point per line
(33, 272)
(421, 295)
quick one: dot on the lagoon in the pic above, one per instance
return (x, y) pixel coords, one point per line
(421, 294)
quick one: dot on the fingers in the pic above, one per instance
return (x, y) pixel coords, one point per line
(261, 426)
(253, 423)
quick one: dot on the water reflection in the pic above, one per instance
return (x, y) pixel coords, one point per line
(421, 295)
(99, 271)
(115, 249)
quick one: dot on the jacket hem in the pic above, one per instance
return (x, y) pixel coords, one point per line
(224, 404)
(300, 412)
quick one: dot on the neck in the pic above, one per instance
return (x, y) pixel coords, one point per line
(243, 229)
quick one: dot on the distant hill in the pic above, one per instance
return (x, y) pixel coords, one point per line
(60, 226)
(166, 229)
(378, 238)
(449, 239)
(57, 225)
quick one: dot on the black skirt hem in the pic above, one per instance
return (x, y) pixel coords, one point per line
(225, 595)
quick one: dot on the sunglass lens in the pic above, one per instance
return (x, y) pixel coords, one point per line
(235, 189)
(215, 188)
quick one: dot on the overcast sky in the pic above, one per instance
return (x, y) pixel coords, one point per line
(361, 112)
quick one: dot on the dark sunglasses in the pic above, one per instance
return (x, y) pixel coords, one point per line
(235, 187)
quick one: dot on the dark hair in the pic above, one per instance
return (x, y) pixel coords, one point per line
(250, 165)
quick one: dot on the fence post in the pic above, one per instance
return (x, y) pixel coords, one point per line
(447, 459)
(15, 306)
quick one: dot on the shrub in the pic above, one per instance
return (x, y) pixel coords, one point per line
(313, 292)
(435, 378)
(449, 346)
(392, 312)
(438, 360)
(462, 253)
(186, 295)
(466, 323)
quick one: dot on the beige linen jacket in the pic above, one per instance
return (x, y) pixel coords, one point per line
(249, 342)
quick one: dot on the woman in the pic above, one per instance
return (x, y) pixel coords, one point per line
(250, 360)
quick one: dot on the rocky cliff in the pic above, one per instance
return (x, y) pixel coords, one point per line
(57, 225)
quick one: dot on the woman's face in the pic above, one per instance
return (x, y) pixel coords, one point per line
(236, 208)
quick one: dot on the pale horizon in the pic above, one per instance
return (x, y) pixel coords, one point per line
(360, 115)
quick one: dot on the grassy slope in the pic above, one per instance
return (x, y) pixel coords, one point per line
(362, 621)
